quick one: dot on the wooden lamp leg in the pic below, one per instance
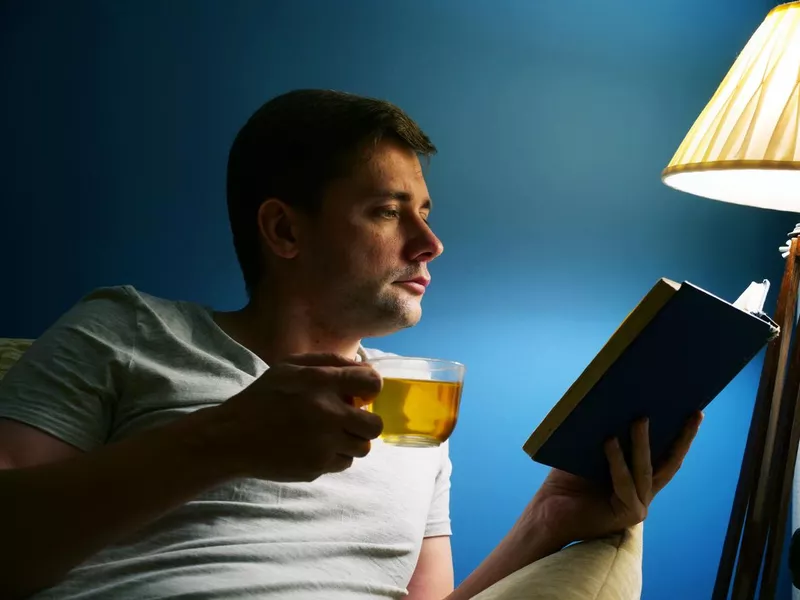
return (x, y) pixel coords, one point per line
(783, 480)
(762, 492)
(782, 473)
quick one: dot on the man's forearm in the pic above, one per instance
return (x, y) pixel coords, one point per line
(55, 516)
(524, 544)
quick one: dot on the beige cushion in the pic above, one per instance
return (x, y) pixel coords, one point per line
(10, 351)
(604, 569)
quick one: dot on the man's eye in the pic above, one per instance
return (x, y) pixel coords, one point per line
(389, 213)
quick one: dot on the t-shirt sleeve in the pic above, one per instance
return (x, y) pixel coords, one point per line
(439, 514)
(68, 381)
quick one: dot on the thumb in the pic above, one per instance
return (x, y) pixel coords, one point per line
(321, 359)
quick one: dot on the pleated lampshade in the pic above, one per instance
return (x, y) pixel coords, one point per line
(743, 148)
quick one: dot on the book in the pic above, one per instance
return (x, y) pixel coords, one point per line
(671, 356)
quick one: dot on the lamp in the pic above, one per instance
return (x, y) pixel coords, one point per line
(744, 148)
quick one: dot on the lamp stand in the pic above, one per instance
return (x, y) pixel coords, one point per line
(761, 503)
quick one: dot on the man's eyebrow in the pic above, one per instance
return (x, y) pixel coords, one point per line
(427, 203)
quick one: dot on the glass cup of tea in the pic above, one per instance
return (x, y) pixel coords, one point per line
(419, 400)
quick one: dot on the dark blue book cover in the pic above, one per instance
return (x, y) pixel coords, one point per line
(673, 354)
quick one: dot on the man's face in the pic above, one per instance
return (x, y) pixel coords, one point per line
(364, 257)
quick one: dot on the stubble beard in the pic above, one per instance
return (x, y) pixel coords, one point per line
(380, 311)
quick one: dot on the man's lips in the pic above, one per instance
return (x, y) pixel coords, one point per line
(416, 285)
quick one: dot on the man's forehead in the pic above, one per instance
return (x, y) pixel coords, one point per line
(391, 166)
(386, 171)
(388, 159)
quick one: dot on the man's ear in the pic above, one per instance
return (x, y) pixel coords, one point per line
(277, 224)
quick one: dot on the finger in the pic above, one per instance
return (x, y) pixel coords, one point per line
(339, 463)
(353, 380)
(677, 453)
(362, 381)
(321, 359)
(363, 424)
(353, 446)
(621, 478)
(642, 464)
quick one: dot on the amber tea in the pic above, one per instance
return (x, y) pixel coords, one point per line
(419, 400)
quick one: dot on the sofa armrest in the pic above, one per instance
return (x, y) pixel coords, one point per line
(609, 568)
(11, 349)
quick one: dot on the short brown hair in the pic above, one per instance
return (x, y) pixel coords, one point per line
(293, 146)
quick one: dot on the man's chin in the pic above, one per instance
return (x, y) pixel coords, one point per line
(396, 321)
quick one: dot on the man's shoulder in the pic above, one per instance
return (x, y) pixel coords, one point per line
(120, 313)
(104, 308)
(121, 296)
(126, 300)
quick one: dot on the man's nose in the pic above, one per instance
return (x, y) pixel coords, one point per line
(424, 245)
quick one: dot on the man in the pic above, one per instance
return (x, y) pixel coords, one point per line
(160, 449)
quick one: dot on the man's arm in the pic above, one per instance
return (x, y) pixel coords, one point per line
(567, 509)
(60, 505)
(54, 516)
(433, 576)
(517, 550)
(25, 446)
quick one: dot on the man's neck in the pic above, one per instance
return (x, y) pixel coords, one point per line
(274, 330)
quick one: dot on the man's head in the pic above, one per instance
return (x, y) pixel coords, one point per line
(328, 204)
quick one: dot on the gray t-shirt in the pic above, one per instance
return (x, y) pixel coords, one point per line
(121, 361)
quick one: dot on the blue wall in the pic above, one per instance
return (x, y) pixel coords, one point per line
(553, 120)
